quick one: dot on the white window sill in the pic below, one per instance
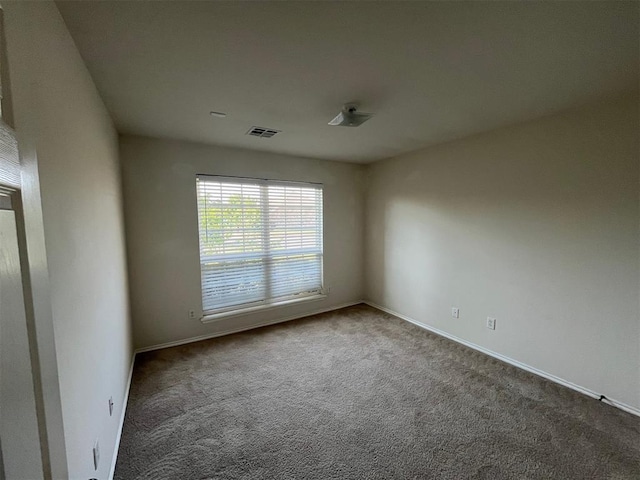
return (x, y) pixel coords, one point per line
(260, 308)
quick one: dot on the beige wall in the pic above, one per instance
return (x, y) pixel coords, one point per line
(70, 155)
(162, 231)
(536, 225)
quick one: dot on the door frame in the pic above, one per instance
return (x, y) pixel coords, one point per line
(19, 180)
(23, 373)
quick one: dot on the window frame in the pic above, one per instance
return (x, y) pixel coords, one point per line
(264, 303)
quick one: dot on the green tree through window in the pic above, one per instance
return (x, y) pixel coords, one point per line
(260, 241)
(230, 225)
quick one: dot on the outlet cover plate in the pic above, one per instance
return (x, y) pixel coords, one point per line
(96, 454)
(455, 312)
(491, 323)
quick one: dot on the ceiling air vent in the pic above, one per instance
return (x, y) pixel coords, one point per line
(262, 132)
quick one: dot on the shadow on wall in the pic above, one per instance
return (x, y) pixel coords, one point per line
(535, 225)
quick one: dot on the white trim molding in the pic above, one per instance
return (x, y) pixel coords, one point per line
(510, 361)
(215, 317)
(515, 363)
(243, 329)
(125, 402)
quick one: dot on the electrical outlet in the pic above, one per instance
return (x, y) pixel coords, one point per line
(491, 323)
(455, 312)
(110, 406)
(96, 454)
(192, 314)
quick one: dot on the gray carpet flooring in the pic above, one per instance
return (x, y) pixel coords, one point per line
(359, 394)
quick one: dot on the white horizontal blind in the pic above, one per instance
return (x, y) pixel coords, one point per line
(260, 241)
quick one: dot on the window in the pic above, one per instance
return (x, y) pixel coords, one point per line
(260, 242)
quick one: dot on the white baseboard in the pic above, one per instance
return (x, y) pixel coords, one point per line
(515, 363)
(125, 401)
(197, 339)
(243, 329)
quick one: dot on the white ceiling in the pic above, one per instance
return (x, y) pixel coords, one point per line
(430, 71)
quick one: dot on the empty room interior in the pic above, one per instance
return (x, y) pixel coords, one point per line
(319, 240)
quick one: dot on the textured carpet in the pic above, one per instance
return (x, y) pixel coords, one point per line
(359, 394)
